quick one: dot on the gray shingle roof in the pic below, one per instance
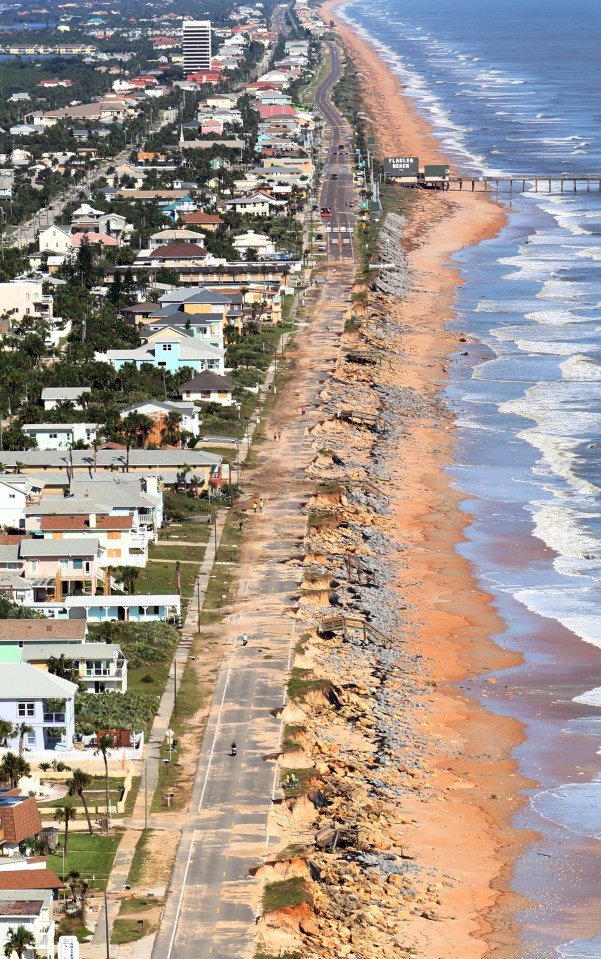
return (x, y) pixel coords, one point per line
(64, 392)
(51, 548)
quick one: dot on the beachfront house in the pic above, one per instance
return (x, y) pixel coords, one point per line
(42, 701)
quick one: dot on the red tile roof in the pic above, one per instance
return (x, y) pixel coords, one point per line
(201, 217)
(82, 522)
(29, 879)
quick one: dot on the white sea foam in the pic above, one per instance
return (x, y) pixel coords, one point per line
(576, 609)
(561, 528)
(581, 368)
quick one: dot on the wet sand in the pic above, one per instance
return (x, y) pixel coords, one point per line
(466, 830)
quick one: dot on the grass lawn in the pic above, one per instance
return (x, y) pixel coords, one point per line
(129, 930)
(91, 856)
(139, 904)
(161, 578)
(187, 532)
(138, 864)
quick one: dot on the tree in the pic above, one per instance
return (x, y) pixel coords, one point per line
(13, 767)
(6, 728)
(172, 427)
(18, 940)
(66, 813)
(127, 576)
(105, 743)
(79, 782)
(63, 667)
(21, 730)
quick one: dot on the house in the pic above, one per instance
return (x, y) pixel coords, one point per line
(101, 667)
(126, 498)
(55, 239)
(207, 221)
(93, 237)
(21, 298)
(258, 242)
(7, 182)
(174, 254)
(260, 203)
(85, 219)
(170, 352)
(53, 396)
(60, 436)
(19, 820)
(159, 411)
(138, 313)
(14, 496)
(166, 237)
(110, 608)
(27, 893)
(62, 566)
(208, 387)
(120, 541)
(44, 702)
(201, 312)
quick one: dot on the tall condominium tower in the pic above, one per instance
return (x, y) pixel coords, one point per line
(197, 45)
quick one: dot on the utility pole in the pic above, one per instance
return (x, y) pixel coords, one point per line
(175, 688)
(106, 925)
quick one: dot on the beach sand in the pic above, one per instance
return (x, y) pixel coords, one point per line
(466, 830)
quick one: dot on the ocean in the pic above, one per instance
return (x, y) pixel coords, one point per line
(514, 88)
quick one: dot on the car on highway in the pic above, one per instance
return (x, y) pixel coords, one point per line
(321, 248)
(319, 236)
(325, 211)
(334, 176)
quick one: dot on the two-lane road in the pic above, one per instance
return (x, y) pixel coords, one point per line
(337, 188)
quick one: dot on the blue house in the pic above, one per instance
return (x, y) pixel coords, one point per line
(169, 350)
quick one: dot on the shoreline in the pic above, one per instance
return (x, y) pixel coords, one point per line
(431, 520)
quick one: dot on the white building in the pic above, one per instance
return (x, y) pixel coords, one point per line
(197, 45)
(60, 436)
(262, 245)
(55, 239)
(21, 298)
(52, 396)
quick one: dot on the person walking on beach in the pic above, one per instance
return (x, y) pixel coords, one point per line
(255, 505)
(261, 505)
(245, 639)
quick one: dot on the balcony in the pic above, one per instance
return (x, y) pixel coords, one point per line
(115, 672)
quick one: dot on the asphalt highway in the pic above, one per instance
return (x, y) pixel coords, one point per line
(336, 194)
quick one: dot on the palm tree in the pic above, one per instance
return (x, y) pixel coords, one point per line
(66, 812)
(12, 768)
(21, 730)
(18, 940)
(79, 782)
(63, 667)
(105, 743)
(172, 427)
(6, 729)
(127, 575)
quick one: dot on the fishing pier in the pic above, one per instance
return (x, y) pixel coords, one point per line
(538, 183)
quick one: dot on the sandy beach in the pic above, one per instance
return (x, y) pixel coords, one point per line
(465, 826)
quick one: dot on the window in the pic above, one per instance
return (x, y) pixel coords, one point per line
(30, 740)
(25, 710)
(77, 564)
(35, 565)
(167, 347)
(12, 496)
(53, 436)
(114, 553)
(63, 564)
(114, 534)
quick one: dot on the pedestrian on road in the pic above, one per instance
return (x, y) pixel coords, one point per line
(261, 505)
(255, 505)
(279, 436)
(302, 410)
(245, 639)
(275, 437)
